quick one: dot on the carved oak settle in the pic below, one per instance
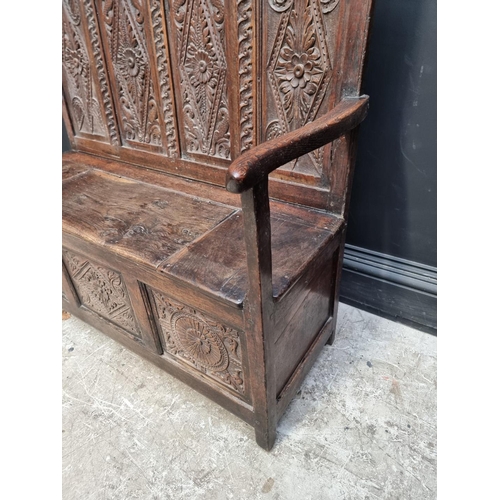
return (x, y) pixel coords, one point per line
(172, 106)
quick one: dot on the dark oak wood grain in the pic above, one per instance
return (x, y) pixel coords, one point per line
(205, 200)
(144, 222)
(217, 261)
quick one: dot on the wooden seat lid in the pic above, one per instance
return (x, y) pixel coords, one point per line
(193, 238)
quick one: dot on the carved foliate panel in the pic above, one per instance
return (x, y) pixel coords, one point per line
(101, 290)
(203, 343)
(300, 60)
(199, 29)
(86, 90)
(141, 110)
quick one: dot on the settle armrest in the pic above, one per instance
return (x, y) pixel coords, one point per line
(255, 165)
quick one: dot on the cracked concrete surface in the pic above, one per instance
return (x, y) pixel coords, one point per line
(362, 426)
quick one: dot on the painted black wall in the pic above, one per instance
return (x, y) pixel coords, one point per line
(392, 224)
(394, 195)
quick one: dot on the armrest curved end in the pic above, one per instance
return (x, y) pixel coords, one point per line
(244, 172)
(234, 179)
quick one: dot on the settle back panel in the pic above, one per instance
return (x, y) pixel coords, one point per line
(185, 86)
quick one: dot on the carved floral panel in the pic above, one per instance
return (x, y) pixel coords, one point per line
(209, 346)
(199, 39)
(84, 91)
(299, 71)
(138, 105)
(101, 290)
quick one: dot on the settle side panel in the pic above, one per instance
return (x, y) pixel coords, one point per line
(304, 318)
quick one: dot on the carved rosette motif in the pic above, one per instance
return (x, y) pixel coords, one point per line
(211, 347)
(82, 101)
(299, 67)
(124, 21)
(202, 68)
(101, 290)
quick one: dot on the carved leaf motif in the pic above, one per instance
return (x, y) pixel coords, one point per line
(102, 291)
(125, 30)
(83, 106)
(210, 347)
(203, 71)
(273, 130)
(299, 68)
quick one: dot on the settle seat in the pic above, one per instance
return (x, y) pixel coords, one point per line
(205, 197)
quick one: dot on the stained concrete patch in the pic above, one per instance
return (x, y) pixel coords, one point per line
(354, 431)
(268, 485)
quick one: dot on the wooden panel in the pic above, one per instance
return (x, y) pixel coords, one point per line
(216, 263)
(293, 300)
(141, 221)
(203, 344)
(85, 83)
(303, 327)
(197, 29)
(144, 102)
(290, 389)
(101, 290)
(299, 44)
(232, 71)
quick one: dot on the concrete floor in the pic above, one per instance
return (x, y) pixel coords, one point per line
(363, 425)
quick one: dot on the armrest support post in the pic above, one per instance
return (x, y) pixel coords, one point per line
(257, 222)
(248, 175)
(259, 308)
